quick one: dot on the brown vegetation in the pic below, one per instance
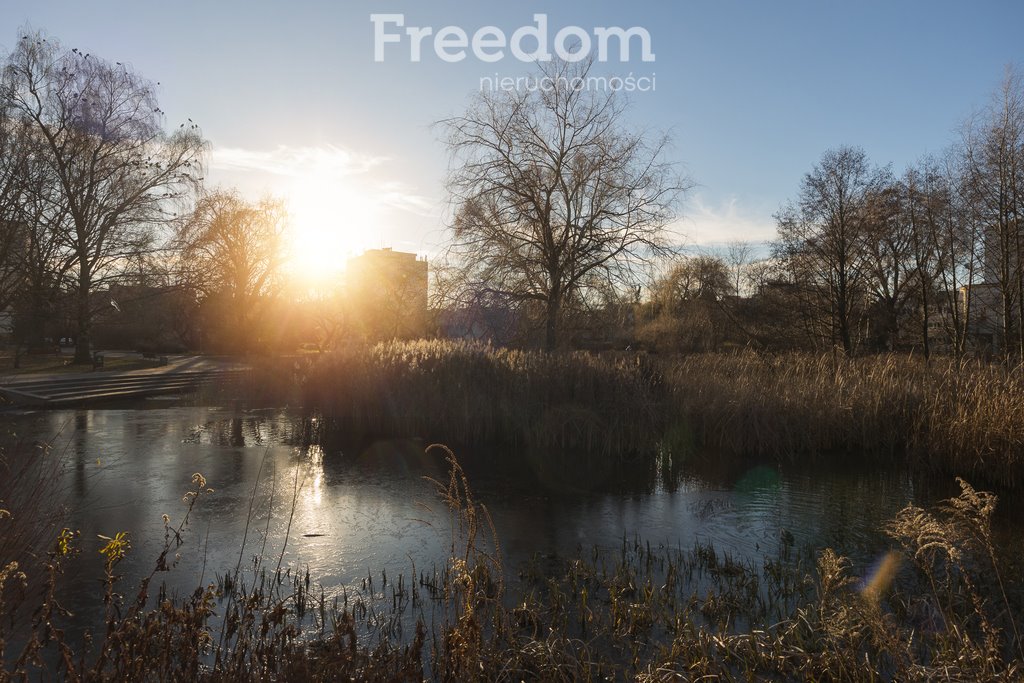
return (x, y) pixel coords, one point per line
(964, 418)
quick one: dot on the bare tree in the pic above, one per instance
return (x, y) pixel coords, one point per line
(329, 318)
(686, 312)
(993, 145)
(387, 295)
(942, 250)
(946, 240)
(100, 134)
(553, 193)
(738, 256)
(34, 258)
(888, 257)
(14, 163)
(232, 252)
(695, 278)
(43, 260)
(922, 194)
(760, 273)
(821, 240)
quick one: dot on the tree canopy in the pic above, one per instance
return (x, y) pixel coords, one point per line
(554, 194)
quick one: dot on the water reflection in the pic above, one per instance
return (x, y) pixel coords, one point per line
(315, 457)
(311, 497)
(81, 450)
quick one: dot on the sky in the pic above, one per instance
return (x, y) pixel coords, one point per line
(293, 102)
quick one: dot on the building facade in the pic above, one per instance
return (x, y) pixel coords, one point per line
(387, 293)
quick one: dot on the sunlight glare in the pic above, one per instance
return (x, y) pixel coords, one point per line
(331, 221)
(316, 472)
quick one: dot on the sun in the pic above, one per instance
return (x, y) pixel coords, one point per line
(331, 220)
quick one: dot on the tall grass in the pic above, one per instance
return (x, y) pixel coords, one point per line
(471, 393)
(966, 418)
(30, 485)
(31, 513)
(963, 418)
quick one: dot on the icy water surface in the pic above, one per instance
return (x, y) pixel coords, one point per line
(360, 508)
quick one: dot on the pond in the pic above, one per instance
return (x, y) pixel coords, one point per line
(290, 490)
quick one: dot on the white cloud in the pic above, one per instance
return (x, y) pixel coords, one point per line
(705, 224)
(283, 168)
(294, 161)
(402, 196)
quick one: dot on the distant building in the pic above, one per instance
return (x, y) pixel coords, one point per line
(387, 291)
(985, 324)
(999, 263)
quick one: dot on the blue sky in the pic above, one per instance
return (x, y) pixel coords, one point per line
(753, 92)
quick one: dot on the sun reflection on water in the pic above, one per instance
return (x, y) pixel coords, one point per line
(315, 454)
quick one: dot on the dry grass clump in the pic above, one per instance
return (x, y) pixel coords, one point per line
(965, 418)
(31, 511)
(961, 417)
(29, 497)
(972, 421)
(788, 406)
(945, 617)
(473, 393)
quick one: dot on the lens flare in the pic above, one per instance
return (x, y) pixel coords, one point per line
(881, 576)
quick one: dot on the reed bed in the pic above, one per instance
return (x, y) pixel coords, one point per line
(788, 406)
(961, 418)
(965, 418)
(473, 393)
(936, 607)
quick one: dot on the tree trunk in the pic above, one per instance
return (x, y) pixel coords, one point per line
(845, 335)
(1019, 270)
(1007, 302)
(83, 352)
(925, 319)
(551, 323)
